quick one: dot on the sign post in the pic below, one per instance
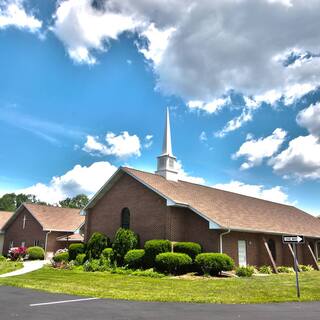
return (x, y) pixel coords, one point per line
(294, 240)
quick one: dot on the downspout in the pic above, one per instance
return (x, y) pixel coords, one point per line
(46, 243)
(221, 235)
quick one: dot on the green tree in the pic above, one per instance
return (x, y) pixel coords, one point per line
(77, 202)
(12, 201)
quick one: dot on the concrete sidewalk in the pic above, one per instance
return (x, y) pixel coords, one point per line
(28, 266)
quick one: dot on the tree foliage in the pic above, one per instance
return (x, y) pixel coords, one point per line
(77, 202)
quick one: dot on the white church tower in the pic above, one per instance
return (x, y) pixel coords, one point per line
(166, 166)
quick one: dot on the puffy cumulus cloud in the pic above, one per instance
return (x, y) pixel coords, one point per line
(255, 150)
(202, 49)
(83, 27)
(14, 14)
(185, 176)
(80, 179)
(301, 160)
(309, 118)
(121, 146)
(211, 107)
(275, 194)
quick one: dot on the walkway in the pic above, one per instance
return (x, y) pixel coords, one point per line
(28, 266)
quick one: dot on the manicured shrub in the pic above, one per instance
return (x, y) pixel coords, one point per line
(284, 269)
(75, 249)
(247, 271)
(35, 253)
(173, 263)
(107, 253)
(96, 244)
(192, 249)
(265, 270)
(125, 240)
(61, 257)
(213, 263)
(2, 258)
(80, 259)
(92, 265)
(134, 258)
(153, 248)
(305, 268)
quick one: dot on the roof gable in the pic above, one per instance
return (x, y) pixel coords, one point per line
(51, 218)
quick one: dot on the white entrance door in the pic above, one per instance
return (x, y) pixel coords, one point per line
(242, 253)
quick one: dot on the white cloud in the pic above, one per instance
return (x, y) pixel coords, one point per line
(301, 160)
(309, 118)
(80, 179)
(275, 194)
(255, 150)
(158, 42)
(83, 28)
(121, 146)
(148, 141)
(185, 176)
(211, 107)
(237, 122)
(203, 136)
(13, 14)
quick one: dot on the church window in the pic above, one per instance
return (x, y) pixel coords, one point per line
(125, 218)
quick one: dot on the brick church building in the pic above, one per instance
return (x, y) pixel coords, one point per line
(159, 206)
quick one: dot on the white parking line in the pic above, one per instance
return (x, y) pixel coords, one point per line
(63, 301)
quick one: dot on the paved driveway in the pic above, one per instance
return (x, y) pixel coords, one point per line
(30, 304)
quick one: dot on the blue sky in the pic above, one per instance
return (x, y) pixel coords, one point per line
(84, 90)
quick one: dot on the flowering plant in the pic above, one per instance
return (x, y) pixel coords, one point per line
(17, 253)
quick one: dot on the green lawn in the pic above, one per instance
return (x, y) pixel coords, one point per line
(275, 288)
(8, 266)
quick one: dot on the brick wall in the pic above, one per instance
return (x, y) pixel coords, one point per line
(15, 232)
(147, 211)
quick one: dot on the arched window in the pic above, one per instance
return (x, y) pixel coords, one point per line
(125, 218)
(272, 248)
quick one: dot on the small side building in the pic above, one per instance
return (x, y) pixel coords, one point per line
(49, 227)
(4, 217)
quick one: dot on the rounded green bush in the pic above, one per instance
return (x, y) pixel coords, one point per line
(80, 259)
(2, 258)
(63, 256)
(247, 271)
(107, 253)
(213, 263)
(265, 269)
(192, 249)
(285, 269)
(153, 248)
(173, 263)
(75, 249)
(96, 244)
(134, 258)
(124, 240)
(35, 253)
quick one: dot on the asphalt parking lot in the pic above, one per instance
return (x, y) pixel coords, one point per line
(16, 303)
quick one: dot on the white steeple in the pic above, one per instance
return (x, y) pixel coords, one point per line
(167, 161)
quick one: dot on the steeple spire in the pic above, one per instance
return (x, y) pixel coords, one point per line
(167, 161)
(166, 146)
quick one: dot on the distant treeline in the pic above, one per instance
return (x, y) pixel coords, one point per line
(12, 201)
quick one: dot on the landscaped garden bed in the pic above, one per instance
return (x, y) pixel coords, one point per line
(163, 271)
